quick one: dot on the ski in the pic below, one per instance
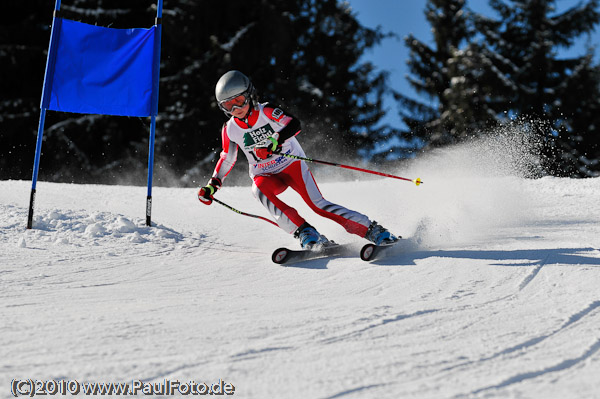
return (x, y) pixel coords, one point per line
(284, 256)
(370, 252)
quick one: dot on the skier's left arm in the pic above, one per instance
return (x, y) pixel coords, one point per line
(291, 127)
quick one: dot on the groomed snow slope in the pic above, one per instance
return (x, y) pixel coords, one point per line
(495, 292)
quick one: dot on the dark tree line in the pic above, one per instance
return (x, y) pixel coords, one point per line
(302, 54)
(484, 70)
(306, 56)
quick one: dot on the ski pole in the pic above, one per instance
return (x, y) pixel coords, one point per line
(417, 181)
(244, 213)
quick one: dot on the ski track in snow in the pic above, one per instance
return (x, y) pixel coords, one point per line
(493, 293)
(565, 364)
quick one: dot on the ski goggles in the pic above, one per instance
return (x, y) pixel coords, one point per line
(230, 104)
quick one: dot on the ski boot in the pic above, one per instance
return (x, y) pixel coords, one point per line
(310, 237)
(378, 235)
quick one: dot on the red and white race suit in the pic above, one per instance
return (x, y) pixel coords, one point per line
(272, 176)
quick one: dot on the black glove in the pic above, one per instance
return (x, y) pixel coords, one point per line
(205, 195)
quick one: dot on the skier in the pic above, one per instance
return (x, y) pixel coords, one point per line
(264, 132)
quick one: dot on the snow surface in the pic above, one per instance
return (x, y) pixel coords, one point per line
(494, 293)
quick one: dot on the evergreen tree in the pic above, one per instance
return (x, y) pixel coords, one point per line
(447, 74)
(303, 55)
(24, 39)
(530, 80)
(578, 139)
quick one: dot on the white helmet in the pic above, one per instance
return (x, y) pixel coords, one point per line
(232, 85)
